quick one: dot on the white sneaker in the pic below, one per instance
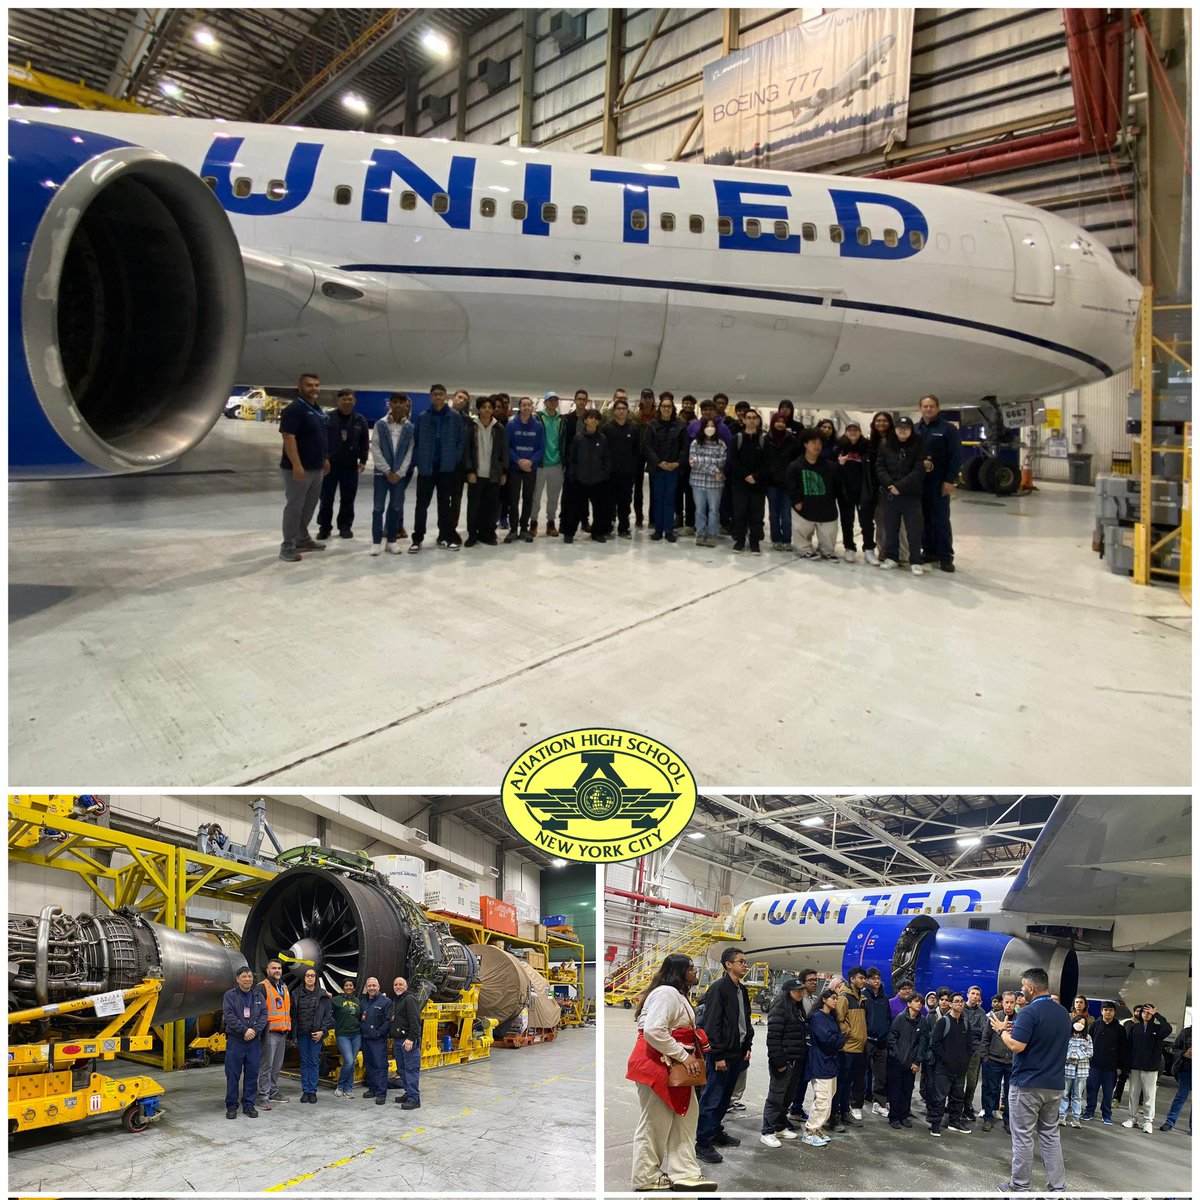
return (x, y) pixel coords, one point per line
(394, 548)
(769, 1139)
(1127, 1124)
(789, 1135)
(375, 550)
(878, 1109)
(851, 556)
(888, 564)
(872, 559)
(856, 1113)
(1076, 1124)
(917, 569)
(812, 1139)
(1148, 1127)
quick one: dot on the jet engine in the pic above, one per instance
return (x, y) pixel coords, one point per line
(351, 924)
(54, 957)
(934, 955)
(127, 305)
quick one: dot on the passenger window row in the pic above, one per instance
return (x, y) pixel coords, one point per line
(638, 218)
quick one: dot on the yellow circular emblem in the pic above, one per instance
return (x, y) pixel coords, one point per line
(599, 795)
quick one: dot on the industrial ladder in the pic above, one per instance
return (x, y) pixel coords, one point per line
(627, 980)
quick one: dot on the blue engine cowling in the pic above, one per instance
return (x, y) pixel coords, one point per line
(934, 956)
(127, 305)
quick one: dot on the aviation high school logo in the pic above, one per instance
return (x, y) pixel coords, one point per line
(599, 795)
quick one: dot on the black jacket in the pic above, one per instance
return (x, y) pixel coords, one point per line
(406, 1017)
(1181, 1066)
(355, 446)
(311, 1011)
(624, 447)
(787, 1035)
(665, 441)
(721, 1019)
(376, 1020)
(747, 456)
(571, 425)
(901, 464)
(906, 1040)
(977, 1021)
(879, 1014)
(499, 464)
(992, 1047)
(1145, 1043)
(779, 456)
(1110, 1047)
(587, 463)
(855, 478)
(950, 1045)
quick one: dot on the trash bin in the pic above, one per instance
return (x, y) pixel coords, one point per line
(1079, 469)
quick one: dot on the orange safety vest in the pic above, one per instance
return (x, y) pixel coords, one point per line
(279, 1007)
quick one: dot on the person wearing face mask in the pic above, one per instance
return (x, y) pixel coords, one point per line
(780, 451)
(706, 458)
(900, 473)
(1079, 1057)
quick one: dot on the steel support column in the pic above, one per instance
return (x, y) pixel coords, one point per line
(613, 48)
(528, 69)
(460, 92)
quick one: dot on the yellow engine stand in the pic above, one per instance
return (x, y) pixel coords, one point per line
(52, 806)
(456, 1021)
(52, 1083)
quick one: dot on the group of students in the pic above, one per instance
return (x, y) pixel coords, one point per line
(847, 1042)
(710, 472)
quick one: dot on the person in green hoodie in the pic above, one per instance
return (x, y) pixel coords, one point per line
(347, 1028)
(550, 473)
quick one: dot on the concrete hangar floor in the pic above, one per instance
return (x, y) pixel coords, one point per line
(876, 1158)
(155, 636)
(518, 1120)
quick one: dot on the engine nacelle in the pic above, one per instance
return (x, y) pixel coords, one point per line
(127, 305)
(934, 955)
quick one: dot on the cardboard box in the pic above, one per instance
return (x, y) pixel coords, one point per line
(528, 930)
(498, 916)
(450, 894)
(537, 959)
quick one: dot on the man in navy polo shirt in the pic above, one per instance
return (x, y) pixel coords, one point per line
(304, 464)
(1038, 1039)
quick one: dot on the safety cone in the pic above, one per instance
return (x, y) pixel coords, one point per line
(1027, 480)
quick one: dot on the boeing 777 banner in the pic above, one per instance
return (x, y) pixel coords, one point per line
(830, 88)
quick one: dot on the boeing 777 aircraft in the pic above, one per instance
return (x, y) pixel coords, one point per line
(1103, 903)
(155, 261)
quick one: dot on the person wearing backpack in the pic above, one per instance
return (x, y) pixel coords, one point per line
(950, 1047)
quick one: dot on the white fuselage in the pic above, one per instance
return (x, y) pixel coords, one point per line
(692, 277)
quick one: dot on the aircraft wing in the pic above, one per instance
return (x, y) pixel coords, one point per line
(1119, 862)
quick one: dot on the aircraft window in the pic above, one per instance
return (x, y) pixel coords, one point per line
(342, 194)
(725, 226)
(211, 180)
(520, 210)
(781, 230)
(276, 189)
(487, 207)
(808, 231)
(666, 222)
(891, 237)
(579, 215)
(241, 187)
(441, 202)
(695, 224)
(916, 239)
(864, 236)
(837, 235)
(968, 244)
(637, 219)
(408, 201)
(753, 227)
(549, 213)
(943, 241)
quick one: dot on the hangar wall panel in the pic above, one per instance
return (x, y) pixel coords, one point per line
(1104, 407)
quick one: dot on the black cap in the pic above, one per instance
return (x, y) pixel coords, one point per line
(791, 984)
(904, 421)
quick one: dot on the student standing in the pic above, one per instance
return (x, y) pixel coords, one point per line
(747, 470)
(665, 448)
(811, 487)
(781, 449)
(706, 457)
(487, 463)
(787, 1049)
(900, 473)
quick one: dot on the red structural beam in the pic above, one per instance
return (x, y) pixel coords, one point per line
(703, 912)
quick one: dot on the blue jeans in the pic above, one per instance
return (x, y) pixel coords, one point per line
(348, 1047)
(241, 1064)
(409, 1067)
(663, 485)
(1072, 1100)
(708, 501)
(779, 509)
(1185, 1090)
(718, 1091)
(995, 1084)
(1102, 1083)
(310, 1062)
(393, 495)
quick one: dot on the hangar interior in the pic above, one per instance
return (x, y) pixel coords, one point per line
(1001, 101)
(792, 880)
(129, 914)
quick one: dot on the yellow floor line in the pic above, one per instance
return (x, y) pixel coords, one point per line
(341, 1162)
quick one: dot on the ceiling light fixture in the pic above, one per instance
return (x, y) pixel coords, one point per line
(206, 38)
(171, 90)
(812, 822)
(975, 840)
(355, 103)
(435, 43)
